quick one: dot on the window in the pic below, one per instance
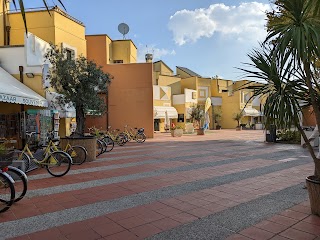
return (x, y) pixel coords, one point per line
(117, 61)
(194, 95)
(180, 117)
(69, 54)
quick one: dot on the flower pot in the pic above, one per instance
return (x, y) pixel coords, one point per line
(177, 132)
(313, 186)
(239, 128)
(200, 131)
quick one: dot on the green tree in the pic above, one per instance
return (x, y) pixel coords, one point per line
(237, 117)
(197, 114)
(287, 62)
(80, 82)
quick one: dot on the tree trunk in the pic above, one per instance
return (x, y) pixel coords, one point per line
(316, 112)
(80, 118)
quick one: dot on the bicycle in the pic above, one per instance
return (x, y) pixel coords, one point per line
(104, 143)
(138, 136)
(7, 190)
(77, 153)
(57, 163)
(118, 138)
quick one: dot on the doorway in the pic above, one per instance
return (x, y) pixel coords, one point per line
(157, 125)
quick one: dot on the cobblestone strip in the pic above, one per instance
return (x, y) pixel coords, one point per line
(49, 220)
(225, 223)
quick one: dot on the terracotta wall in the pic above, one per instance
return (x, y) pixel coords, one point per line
(131, 96)
(309, 118)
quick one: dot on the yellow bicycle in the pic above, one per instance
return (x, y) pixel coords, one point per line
(57, 163)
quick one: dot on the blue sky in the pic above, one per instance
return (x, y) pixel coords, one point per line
(209, 37)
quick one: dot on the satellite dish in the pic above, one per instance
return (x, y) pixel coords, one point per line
(123, 28)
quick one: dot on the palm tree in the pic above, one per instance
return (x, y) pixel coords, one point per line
(22, 8)
(237, 117)
(287, 61)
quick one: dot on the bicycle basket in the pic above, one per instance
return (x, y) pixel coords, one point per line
(6, 158)
(140, 130)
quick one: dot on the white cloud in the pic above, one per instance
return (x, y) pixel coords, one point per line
(244, 22)
(158, 53)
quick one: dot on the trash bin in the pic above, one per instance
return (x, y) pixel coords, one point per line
(271, 134)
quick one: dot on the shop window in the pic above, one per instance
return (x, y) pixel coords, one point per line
(180, 117)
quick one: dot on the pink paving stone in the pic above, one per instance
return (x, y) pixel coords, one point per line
(256, 233)
(293, 214)
(183, 217)
(315, 220)
(271, 226)
(106, 229)
(131, 222)
(297, 235)
(283, 220)
(168, 211)
(200, 212)
(166, 223)
(125, 235)
(87, 234)
(145, 230)
(307, 227)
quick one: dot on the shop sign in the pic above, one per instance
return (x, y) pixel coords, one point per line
(22, 100)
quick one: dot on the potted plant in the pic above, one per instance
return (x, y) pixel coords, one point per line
(197, 116)
(6, 155)
(237, 117)
(288, 62)
(79, 82)
(176, 131)
(217, 115)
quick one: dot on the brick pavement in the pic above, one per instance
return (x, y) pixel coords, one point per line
(226, 184)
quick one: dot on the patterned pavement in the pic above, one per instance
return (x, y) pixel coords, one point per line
(226, 184)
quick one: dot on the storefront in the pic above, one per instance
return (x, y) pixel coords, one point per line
(17, 102)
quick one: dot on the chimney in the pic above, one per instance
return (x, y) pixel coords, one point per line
(149, 57)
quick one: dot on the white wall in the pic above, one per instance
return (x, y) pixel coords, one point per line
(188, 95)
(30, 56)
(216, 101)
(178, 99)
(35, 49)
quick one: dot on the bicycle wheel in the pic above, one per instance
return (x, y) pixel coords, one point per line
(99, 147)
(78, 154)
(20, 182)
(109, 142)
(7, 192)
(140, 137)
(22, 156)
(120, 140)
(58, 163)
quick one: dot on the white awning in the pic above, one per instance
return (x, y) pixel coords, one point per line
(160, 112)
(251, 112)
(13, 91)
(66, 110)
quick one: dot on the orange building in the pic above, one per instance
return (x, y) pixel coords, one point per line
(130, 96)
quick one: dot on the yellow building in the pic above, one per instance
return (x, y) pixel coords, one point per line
(227, 99)
(58, 28)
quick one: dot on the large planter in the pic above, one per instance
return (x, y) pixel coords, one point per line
(314, 194)
(88, 143)
(200, 131)
(177, 132)
(239, 128)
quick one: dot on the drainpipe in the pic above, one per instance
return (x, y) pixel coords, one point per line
(107, 112)
(4, 23)
(22, 109)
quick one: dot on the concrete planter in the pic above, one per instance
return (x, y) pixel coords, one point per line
(177, 133)
(313, 186)
(89, 143)
(238, 128)
(200, 131)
